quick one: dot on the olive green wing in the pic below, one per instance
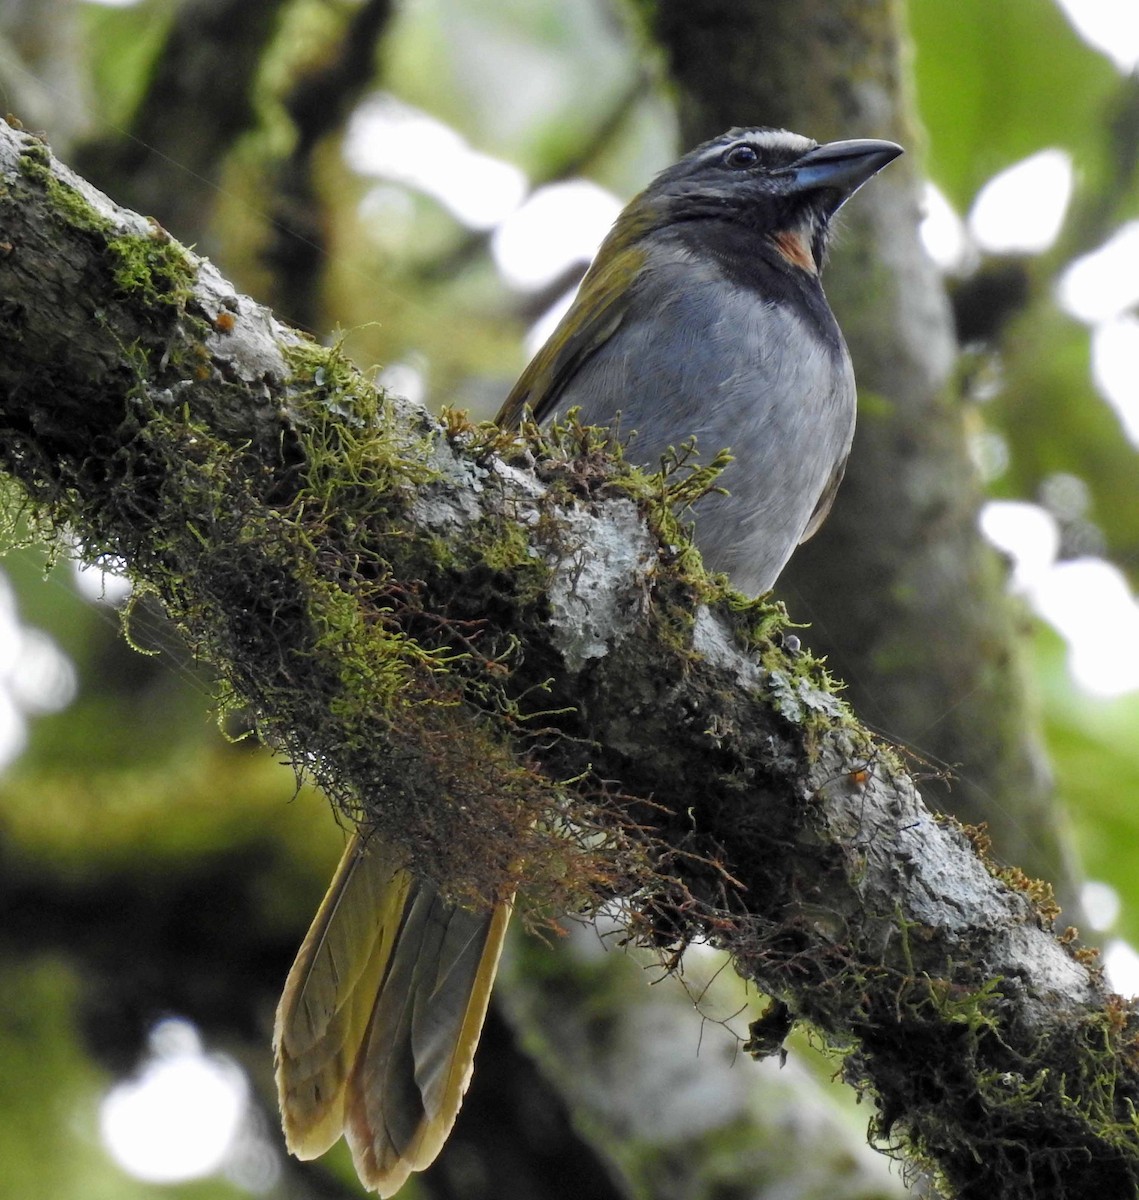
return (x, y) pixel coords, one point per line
(596, 314)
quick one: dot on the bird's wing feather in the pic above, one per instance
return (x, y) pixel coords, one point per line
(593, 318)
(329, 994)
(826, 499)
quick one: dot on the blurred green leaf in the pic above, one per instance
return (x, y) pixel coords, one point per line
(1055, 421)
(997, 82)
(121, 46)
(1096, 759)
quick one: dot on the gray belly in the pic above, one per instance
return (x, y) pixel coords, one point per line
(711, 362)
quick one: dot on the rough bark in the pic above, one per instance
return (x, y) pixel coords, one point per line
(305, 535)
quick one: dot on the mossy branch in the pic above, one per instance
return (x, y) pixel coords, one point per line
(501, 653)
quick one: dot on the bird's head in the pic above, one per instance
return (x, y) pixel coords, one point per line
(777, 184)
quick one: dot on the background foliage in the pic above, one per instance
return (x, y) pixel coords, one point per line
(149, 866)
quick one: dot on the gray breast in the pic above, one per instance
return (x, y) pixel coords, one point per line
(698, 356)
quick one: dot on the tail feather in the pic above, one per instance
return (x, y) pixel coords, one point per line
(380, 1017)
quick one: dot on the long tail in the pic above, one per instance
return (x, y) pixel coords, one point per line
(377, 1026)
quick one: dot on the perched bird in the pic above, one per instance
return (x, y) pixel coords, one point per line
(702, 316)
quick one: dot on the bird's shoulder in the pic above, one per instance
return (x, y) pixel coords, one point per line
(643, 293)
(597, 311)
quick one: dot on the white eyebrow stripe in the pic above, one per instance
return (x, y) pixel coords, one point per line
(775, 139)
(764, 139)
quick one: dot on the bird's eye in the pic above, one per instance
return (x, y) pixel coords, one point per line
(741, 156)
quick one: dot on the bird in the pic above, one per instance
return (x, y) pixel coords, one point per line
(701, 317)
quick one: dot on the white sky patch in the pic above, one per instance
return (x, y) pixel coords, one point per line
(180, 1117)
(1111, 26)
(114, 3)
(1089, 602)
(990, 453)
(1086, 600)
(943, 232)
(559, 225)
(13, 729)
(1028, 534)
(1121, 965)
(405, 379)
(1100, 288)
(1115, 368)
(43, 678)
(387, 139)
(102, 582)
(1065, 495)
(1021, 209)
(1101, 904)
(11, 632)
(387, 212)
(1105, 283)
(35, 675)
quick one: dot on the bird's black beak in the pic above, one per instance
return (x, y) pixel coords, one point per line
(839, 169)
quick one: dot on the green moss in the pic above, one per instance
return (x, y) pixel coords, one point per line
(67, 203)
(576, 460)
(503, 546)
(153, 269)
(977, 1010)
(353, 448)
(36, 155)
(325, 580)
(1081, 1088)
